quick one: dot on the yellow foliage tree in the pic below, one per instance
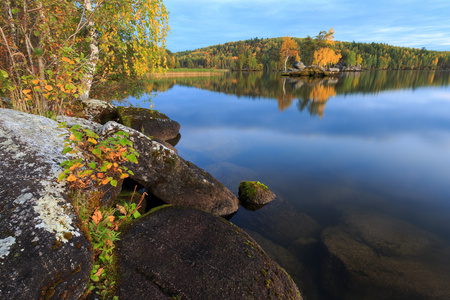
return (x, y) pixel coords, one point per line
(289, 48)
(326, 55)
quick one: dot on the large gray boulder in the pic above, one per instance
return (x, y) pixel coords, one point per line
(150, 122)
(98, 110)
(299, 65)
(177, 253)
(376, 256)
(172, 179)
(42, 251)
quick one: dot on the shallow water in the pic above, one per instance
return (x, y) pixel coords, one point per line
(360, 165)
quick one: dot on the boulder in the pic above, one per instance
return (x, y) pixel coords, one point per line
(172, 179)
(279, 221)
(98, 110)
(178, 253)
(299, 65)
(281, 255)
(43, 254)
(253, 194)
(379, 257)
(150, 122)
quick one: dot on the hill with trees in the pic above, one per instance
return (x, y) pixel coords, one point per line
(260, 53)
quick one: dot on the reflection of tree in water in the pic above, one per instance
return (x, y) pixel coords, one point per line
(284, 99)
(314, 93)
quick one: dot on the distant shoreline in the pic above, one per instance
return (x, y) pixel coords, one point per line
(188, 73)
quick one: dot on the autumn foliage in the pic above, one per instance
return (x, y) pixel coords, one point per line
(326, 54)
(289, 48)
(48, 48)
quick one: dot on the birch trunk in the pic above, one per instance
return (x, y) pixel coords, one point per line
(285, 61)
(86, 81)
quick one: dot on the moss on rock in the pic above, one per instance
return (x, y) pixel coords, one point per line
(254, 193)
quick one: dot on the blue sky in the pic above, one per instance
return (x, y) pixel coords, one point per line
(410, 23)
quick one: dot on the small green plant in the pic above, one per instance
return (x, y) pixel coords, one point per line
(93, 165)
(103, 229)
(96, 163)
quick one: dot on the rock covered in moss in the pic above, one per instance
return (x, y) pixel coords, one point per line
(150, 122)
(172, 179)
(190, 254)
(254, 194)
(42, 251)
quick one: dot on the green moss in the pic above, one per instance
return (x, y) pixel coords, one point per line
(248, 189)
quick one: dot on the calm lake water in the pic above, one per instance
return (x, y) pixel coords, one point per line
(360, 165)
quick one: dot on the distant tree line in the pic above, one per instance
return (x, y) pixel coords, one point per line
(267, 54)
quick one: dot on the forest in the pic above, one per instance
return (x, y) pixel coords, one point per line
(266, 54)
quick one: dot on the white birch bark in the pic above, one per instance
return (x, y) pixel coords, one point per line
(94, 55)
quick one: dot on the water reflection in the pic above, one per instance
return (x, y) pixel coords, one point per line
(310, 94)
(365, 188)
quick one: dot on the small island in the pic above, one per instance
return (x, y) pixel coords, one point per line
(299, 69)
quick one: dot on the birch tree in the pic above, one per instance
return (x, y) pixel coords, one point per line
(52, 49)
(289, 48)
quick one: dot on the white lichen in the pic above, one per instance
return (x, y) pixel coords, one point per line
(52, 216)
(5, 246)
(23, 198)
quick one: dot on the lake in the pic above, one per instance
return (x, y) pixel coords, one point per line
(360, 165)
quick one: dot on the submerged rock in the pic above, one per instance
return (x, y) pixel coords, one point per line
(254, 195)
(190, 254)
(172, 179)
(379, 257)
(42, 251)
(150, 122)
(279, 221)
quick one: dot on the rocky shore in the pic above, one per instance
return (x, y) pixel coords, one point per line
(184, 249)
(299, 69)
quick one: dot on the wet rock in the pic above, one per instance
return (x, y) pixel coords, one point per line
(150, 122)
(376, 256)
(253, 194)
(280, 221)
(187, 253)
(42, 251)
(98, 110)
(172, 179)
